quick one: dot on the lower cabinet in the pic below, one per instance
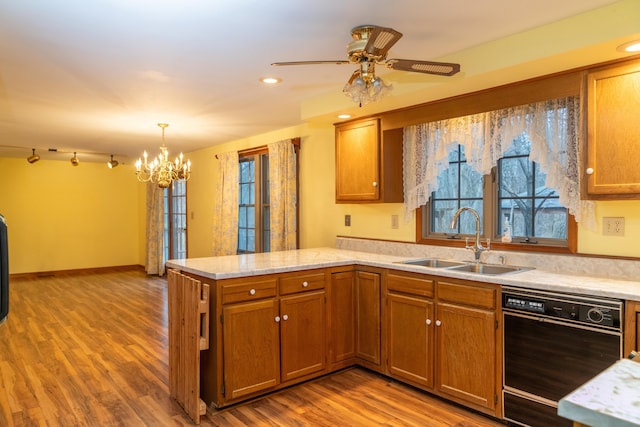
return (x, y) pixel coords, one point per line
(251, 347)
(272, 331)
(368, 322)
(631, 327)
(443, 337)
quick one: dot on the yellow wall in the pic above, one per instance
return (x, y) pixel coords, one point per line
(62, 217)
(321, 219)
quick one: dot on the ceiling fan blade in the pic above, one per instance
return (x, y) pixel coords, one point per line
(336, 62)
(427, 67)
(380, 40)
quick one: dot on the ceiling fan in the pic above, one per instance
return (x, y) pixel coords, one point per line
(369, 47)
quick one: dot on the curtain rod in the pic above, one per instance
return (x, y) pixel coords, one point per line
(263, 148)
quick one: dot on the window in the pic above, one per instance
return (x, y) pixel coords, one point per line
(532, 210)
(514, 190)
(253, 209)
(175, 220)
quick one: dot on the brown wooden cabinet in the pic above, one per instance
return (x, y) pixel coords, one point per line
(271, 332)
(631, 327)
(342, 320)
(443, 336)
(368, 164)
(466, 343)
(613, 105)
(368, 319)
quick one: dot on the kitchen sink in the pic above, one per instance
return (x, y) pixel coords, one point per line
(434, 263)
(468, 267)
(489, 269)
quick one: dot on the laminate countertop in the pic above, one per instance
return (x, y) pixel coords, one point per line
(226, 267)
(610, 399)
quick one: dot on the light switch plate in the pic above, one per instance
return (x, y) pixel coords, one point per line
(347, 220)
(613, 226)
(395, 223)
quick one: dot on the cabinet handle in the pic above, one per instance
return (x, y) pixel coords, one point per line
(428, 321)
(305, 284)
(375, 184)
(438, 323)
(589, 171)
(277, 319)
(252, 292)
(285, 317)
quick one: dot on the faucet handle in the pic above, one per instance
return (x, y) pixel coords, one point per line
(488, 244)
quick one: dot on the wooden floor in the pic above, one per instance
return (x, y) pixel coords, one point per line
(91, 350)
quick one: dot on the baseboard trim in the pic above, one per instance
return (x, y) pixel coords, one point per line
(78, 271)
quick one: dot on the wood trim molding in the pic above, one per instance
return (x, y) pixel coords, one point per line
(78, 271)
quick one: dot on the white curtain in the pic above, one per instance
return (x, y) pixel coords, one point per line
(225, 216)
(282, 189)
(553, 127)
(155, 230)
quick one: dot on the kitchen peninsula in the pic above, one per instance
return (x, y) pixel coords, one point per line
(277, 319)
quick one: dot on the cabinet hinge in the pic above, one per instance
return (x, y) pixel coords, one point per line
(222, 318)
(496, 323)
(495, 399)
(222, 389)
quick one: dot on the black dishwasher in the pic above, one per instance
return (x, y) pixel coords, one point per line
(553, 343)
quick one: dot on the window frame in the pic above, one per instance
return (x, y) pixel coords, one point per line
(257, 152)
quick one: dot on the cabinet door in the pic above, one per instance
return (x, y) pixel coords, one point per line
(466, 353)
(613, 107)
(302, 334)
(342, 319)
(368, 317)
(631, 327)
(358, 161)
(251, 347)
(410, 329)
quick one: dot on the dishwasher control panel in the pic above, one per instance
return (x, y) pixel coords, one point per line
(576, 308)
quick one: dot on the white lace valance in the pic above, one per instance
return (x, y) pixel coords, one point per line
(553, 127)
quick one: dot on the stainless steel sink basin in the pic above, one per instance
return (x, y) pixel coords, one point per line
(434, 263)
(489, 269)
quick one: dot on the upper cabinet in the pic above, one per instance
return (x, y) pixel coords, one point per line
(368, 163)
(613, 135)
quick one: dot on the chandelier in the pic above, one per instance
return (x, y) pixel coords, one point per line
(364, 87)
(161, 170)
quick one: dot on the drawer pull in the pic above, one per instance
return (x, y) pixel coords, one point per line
(428, 321)
(438, 323)
(252, 292)
(305, 284)
(277, 319)
(285, 317)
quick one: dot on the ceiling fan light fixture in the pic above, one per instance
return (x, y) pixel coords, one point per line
(363, 92)
(33, 157)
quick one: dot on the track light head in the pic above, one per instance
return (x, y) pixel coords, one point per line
(112, 163)
(33, 157)
(74, 160)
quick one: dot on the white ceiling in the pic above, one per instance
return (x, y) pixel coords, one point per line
(97, 76)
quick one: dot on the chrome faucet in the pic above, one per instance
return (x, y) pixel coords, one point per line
(477, 248)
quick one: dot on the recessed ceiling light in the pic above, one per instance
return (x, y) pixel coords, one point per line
(344, 116)
(270, 80)
(633, 46)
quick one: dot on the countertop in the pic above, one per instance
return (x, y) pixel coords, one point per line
(226, 267)
(612, 398)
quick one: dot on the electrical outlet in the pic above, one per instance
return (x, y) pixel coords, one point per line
(613, 226)
(394, 221)
(347, 220)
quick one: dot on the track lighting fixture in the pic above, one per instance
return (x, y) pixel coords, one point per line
(33, 157)
(112, 163)
(74, 160)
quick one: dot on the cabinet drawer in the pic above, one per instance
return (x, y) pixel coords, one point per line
(309, 282)
(248, 291)
(410, 285)
(476, 296)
